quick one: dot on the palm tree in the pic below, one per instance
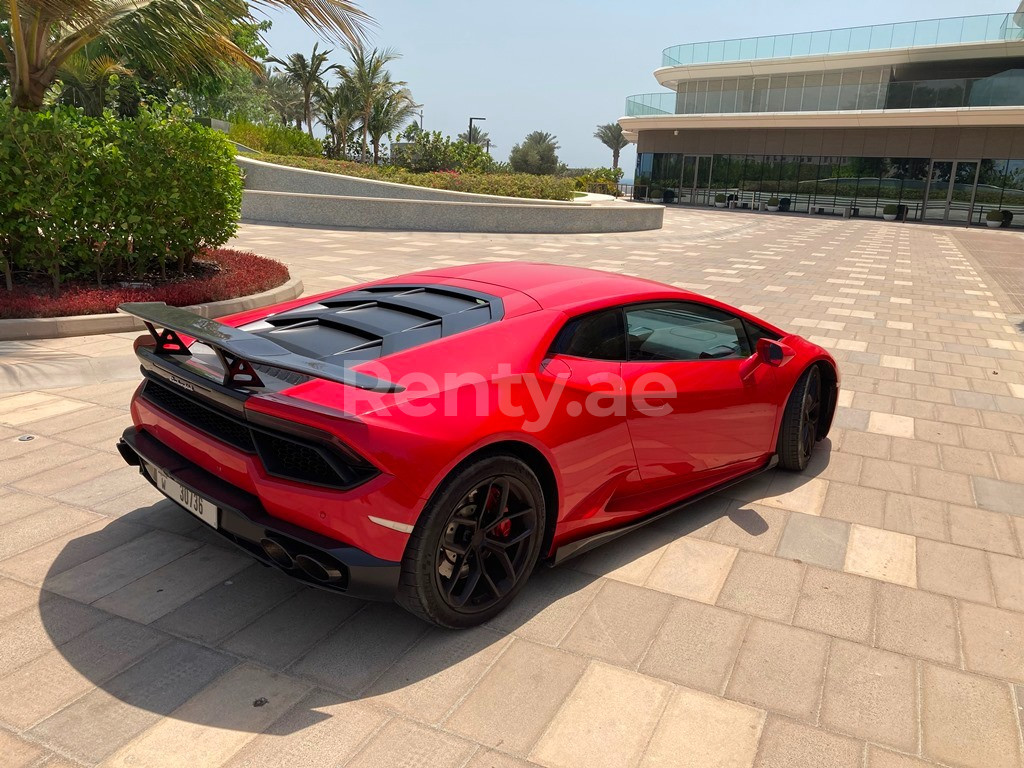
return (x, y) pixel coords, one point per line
(610, 134)
(165, 36)
(339, 111)
(84, 78)
(284, 97)
(369, 81)
(390, 113)
(308, 75)
(475, 136)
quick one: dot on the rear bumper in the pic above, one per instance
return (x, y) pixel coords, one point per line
(245, 523)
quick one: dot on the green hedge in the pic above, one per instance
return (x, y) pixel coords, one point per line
(91, 197)
(504, 184)
(276, 139)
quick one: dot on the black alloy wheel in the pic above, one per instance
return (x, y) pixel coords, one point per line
(485, 549)
(475, 544)
(800, 420)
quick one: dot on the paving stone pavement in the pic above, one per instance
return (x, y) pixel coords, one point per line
(867, 613)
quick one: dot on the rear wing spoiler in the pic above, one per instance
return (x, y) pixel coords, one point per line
(239, 350)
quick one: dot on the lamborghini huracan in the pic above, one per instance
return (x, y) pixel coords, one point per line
(430, 438)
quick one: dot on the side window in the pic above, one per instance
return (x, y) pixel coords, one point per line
(598, 336)
(755, 333)
(684, 331)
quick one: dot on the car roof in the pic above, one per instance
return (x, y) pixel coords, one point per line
(555, 286)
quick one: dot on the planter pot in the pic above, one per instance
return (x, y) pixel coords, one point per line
(773, 208)
(889, 216)
(720, 205)
(994, 224)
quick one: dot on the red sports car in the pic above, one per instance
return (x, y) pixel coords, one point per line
(431, 437)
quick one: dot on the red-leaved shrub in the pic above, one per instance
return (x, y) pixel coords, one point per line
(240, 273)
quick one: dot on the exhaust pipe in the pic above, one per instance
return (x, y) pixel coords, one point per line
(278, 555)
(317, 570)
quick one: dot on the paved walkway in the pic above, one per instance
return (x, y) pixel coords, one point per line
(869, 613)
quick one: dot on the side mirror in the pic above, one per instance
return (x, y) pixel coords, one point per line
(770, 352)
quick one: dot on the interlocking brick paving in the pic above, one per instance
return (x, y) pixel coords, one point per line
(869, 612)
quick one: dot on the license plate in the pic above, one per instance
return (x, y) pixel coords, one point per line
(203, 509)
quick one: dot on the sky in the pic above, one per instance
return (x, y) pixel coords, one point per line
(565, 66)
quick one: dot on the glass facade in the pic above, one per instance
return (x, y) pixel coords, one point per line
(878, 37)
(955, 191)
(830, 91)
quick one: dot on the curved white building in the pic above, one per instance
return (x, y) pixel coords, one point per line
(927, 115)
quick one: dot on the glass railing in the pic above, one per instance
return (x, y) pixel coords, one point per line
(1002, 90)
(879, 37)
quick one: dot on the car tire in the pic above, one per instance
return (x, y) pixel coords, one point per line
(447, 550)
(800, 421)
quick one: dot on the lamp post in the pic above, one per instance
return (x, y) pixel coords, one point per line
(469, 133)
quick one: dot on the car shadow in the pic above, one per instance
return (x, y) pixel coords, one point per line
(156, 637)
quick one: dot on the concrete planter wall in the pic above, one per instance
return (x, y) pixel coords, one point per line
(437, 216)
(283, 195)
(269, 177)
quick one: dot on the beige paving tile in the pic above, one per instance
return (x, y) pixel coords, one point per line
(953, 570)
(981, 529)
(693, 569)
(883, 758)
(807, 496)
(993, 641)
(15, 596)
(871, 694)
(218, 721)
(489, 758)
(881, 555)
(1008, 577)
(548, 606)
(401, 742)
(514, 702)
(916, 516)
(751, 526)
(47, 683)
(761, 585)
(789, 744)
(890, 424)
(629, 558)
(780, 668)
(161, 591)
(431, 678)
(696, 646)
(606, 720)
(27, 532)
(698, 730)
(968, 720)
(855, 504)
(19, 753)
(619, 625)
(837, 603)
(916, 623)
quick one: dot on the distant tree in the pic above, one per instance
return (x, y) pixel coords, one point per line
(390, 113)
(339, 113)
(536, 154)
(284, 97)
(476, 136)
(610, 134)
(309, 75)
(370, 81)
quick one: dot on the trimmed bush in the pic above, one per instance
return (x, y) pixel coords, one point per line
(891, 209)
(234, 273)
(773, 201)
(504, 184)
(720, 197)
(87, 197)
(276, 139)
